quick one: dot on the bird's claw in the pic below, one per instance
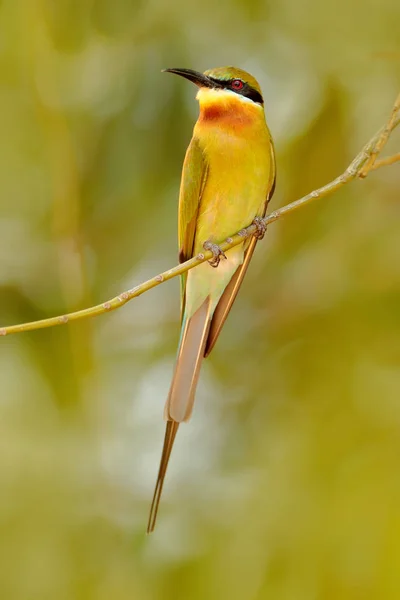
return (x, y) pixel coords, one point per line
(261, 228)
(216, 251)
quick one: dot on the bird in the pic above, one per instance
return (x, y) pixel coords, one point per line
(228, 178)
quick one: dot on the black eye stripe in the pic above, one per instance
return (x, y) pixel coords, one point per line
(247, 90)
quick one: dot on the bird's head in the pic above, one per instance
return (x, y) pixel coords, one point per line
(224, 88)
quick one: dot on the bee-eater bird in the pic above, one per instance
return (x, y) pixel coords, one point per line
(227, 180)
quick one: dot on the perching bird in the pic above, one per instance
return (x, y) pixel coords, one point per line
(227, 180)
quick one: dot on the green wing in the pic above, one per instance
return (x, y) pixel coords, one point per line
(194, 176)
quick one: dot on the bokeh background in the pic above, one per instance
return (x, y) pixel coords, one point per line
(286, 483)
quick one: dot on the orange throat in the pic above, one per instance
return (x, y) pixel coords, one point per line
(218, 107)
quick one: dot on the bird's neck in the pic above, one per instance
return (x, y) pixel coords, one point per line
(228, 110)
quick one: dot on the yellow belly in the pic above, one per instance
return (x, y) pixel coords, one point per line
(238, 182)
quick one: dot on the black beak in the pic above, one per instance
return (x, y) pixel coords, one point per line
(198, 78)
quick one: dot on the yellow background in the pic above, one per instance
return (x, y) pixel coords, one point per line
(286, 483)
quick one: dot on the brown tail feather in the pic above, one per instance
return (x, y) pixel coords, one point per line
(170, 433)
(181, 395)
(180, 400)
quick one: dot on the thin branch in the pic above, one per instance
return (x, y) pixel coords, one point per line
(384, 162)
(363, 163)
(383, 138)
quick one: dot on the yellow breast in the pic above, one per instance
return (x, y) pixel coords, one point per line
(236, 142)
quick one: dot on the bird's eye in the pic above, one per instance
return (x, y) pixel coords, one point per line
(237, 84)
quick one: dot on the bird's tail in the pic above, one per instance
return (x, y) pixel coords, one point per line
(180, 399)
(170, 433)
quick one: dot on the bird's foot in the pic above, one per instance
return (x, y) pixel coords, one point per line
(261, 228)
(217, 253)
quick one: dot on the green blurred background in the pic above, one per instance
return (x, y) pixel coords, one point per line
(286, 483)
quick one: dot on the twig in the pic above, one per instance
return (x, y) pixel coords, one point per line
(383, 138)
(363, 163)
(384, 162)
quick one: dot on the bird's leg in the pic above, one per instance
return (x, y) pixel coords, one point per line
(217, 253)
(261, 228)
